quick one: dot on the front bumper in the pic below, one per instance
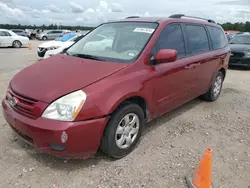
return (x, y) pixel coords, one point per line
(83, 138)
(240, 62)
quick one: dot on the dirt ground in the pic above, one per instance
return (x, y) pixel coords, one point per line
(170, 148)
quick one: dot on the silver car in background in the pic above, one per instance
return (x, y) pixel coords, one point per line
(20, 32)
(50, 34)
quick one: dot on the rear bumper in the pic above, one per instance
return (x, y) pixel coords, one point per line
(83, 138)
(240, 62)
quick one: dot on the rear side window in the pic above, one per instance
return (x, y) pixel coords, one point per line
(172, 38)
(4, 34)
(217, 36)
(197, 39)
(57, 31)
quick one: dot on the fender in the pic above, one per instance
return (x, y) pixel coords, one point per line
(103, 97)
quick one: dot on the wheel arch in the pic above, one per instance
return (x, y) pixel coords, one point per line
(223, 70)
(136, 99)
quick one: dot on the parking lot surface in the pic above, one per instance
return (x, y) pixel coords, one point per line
(170, 148)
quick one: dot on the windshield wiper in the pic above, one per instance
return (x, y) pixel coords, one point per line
(87, 56)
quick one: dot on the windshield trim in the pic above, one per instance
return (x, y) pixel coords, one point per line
(130, 61)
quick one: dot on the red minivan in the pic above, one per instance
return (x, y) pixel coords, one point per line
(102, 91)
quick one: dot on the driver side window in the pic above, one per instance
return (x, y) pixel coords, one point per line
(171, 38)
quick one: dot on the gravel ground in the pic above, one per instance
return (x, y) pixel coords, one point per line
(170, 148)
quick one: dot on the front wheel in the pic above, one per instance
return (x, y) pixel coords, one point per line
(123, 131)
(215, 90)
(44, 38)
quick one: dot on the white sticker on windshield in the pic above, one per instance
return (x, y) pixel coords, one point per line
(131, 54)
(144, 30)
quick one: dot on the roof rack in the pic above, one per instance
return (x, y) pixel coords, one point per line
(133, 17)
(182, 15)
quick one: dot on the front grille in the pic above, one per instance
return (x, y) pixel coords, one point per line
(41, 49)
(24, 105)
(237, 54)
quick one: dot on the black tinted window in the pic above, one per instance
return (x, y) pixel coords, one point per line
(197, 39)
(172, 38)
(217, 37)
(56, 32)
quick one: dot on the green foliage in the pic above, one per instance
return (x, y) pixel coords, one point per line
(239, 26)
(44, 27)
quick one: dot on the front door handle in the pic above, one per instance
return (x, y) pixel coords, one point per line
(197, 64)
(192, 66)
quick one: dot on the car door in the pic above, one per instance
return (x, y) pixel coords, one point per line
(50, 35)
(1, 39)
(174, 81)
(5, 39)
(199, 50)
(218, 56)
(58, 34)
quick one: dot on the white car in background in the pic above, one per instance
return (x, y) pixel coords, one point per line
(55, 47)
(9, 38)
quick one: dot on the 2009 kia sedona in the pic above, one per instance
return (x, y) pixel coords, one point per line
(101, 92)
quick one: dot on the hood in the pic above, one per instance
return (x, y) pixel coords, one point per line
(56, 76)
(239, 47)
(50, 44)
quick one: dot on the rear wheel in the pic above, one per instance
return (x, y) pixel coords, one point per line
(215, 90)
(16, 44)
(123, 131)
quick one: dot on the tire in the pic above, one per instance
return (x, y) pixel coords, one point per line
(115, 140)
(16, 44)
(213, 93)
(45, 38)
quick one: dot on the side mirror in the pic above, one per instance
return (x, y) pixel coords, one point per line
(166, 56)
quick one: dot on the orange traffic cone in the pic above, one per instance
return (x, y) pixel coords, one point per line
(203, 175)
(30, 46)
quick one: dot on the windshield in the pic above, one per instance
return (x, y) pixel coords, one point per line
(119, 42)
(66, 37)
(241, 39)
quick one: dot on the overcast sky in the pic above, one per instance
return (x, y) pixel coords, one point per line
(80, 12)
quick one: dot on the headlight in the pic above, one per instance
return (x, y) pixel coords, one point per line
(67, 107)
(53, 47)
(247, 53)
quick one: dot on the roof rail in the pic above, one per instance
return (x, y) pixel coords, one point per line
(182, 15)
(133, 17)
